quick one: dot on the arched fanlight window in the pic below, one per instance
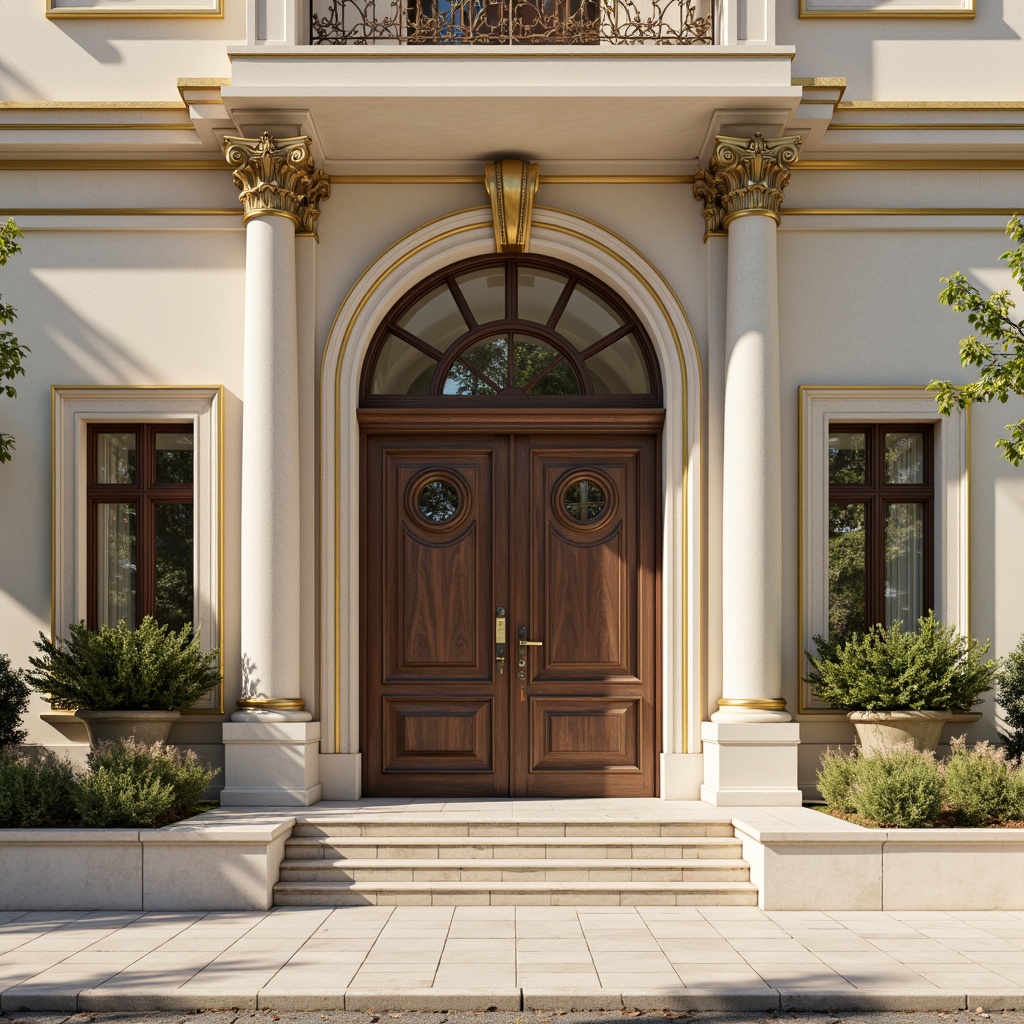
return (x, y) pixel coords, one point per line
(517, 329)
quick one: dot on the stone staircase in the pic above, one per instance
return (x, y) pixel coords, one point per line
(507, 863)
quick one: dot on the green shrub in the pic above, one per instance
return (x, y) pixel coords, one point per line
(180, 771)
(118, 668)
(836, 778)
(900, 787)
(13, 702)
(1011, 698)
(981, 785)
(934, 669)
(37, 790)
(108, 799)
(132, 785)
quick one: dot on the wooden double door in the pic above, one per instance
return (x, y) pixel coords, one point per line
(475, 542)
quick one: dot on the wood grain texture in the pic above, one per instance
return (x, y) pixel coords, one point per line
(437, 718)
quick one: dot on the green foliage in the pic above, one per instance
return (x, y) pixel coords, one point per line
(899, 788)
(999, 352)
(138, 764)
(11, 351)
(934, 669)
(37, 790)
(126, 785)
(1011, 698)
(981, 785)
(118, 668)
(13, 702)
(107, 799)
(836, 778)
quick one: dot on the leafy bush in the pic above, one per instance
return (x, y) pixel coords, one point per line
(13, 702)
(118, 668)
(108, 799)
(1011, 698)
(836, 778)
(179, 771)
(900, 787)
(37, 790)
(981, 785)
(934, 669)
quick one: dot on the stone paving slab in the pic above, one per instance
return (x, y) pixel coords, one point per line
(684, 959)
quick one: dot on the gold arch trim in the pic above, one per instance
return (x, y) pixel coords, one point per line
(485, 222)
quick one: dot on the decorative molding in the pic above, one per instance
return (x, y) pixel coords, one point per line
(705, 189)
(746, 176)
(411, 259)
(511, 187)
(752, 174)
(128, 9)
(887, 8)
(275, 177)
(74, 407)
(821, 405)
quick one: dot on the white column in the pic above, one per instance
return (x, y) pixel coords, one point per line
(751, 491)
(271, 744)
(270, 594)
(750, 744)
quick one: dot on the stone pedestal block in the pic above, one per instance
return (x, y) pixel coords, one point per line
(271, 764)
(751, 764)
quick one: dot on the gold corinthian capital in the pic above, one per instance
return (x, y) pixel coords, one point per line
(275, 177)
(746, 176)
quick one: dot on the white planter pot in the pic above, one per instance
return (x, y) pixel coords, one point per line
(880, 730)
(146, 726)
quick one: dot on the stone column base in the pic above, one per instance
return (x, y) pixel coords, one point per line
(750, 764)
(271, 764)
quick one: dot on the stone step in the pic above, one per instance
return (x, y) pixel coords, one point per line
(625, 894)
(495, 829)
(500, 870)
(518, 847)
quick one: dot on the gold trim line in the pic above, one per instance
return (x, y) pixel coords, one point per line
(272, 703)
(757, 704)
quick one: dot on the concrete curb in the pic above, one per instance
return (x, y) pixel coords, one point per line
(64, 1000)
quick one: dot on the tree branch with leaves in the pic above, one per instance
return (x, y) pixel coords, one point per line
(998, 352)
(11, 350)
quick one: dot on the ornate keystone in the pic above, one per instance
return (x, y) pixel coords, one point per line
(275, 177)
(747, 176)
(511, 186)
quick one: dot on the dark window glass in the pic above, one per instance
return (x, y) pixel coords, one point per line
(521, 328)
(141, 533)
(880, 546)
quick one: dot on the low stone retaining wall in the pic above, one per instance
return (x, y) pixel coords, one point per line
(188, 866)
(885, 869)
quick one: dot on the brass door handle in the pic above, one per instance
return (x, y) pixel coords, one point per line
(523, 642)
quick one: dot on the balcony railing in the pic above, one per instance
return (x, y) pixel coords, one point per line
(504, 22)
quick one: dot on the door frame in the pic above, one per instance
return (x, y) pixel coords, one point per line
(640, 284)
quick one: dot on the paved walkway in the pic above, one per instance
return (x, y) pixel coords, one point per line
(708, 958)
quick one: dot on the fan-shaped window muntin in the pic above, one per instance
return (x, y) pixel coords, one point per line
(520, 328)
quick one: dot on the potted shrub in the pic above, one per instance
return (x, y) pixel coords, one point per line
(899, 686)
(125, 682)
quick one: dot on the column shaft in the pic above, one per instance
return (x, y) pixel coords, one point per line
(751, 490)
(270, 463)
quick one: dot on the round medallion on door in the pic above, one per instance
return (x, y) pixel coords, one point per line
(583, 499)
(438, 499)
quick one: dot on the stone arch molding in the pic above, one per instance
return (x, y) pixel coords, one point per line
(410, 260)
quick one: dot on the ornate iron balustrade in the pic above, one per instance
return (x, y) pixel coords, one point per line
(498, 22)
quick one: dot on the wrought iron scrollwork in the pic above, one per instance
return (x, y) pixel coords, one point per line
(504, 22)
